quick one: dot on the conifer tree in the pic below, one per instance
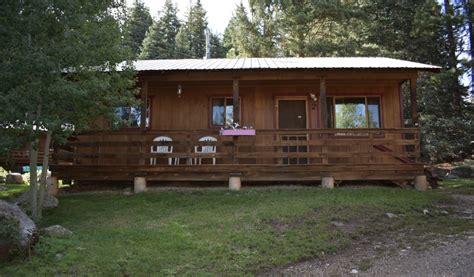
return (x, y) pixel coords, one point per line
(137, 24)
(191, 40)
(160, 39)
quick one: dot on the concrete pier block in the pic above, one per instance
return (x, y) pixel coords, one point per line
(139, 184)
(421, 183)
(235, 182)
(327, 182)
(53, 186)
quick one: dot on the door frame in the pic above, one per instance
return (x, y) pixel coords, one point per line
(277, 101)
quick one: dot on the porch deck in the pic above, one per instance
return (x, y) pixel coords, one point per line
(270, 155)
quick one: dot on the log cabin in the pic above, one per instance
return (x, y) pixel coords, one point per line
(257, 119)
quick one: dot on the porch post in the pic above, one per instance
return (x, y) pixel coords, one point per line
(414, 113)
(144, 98)
(236, 103)
(323, 109)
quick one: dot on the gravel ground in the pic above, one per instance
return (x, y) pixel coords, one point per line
(394, 256)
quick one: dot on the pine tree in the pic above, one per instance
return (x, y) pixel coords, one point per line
(240, 34)
(191, 40)
(136, 25)
(160, 40)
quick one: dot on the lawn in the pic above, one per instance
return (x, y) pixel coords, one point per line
(13, 191)
(209, 232)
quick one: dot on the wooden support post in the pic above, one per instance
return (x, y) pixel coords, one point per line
(414, 108)
(144, 105)
(421, 183)
(52, 186)
(236, 102)
(235, 181)
(139, 184)
(327, 182)
(323, 109)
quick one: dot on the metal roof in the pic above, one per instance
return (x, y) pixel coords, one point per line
(280, 63)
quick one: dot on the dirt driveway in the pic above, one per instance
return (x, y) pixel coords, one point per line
(393, 255)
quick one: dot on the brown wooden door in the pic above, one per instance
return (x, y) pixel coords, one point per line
(292, 114)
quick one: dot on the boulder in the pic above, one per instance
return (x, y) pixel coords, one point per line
(24, 201)
(17, 221)
(464, 171)
(14, 178)
(56, 231)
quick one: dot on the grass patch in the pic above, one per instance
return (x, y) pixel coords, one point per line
(217, 231)
(461, 186)
(13, 191)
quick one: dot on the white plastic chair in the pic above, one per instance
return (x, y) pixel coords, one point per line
(205, 149)
(163, 149)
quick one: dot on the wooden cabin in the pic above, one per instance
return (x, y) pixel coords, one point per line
(300, 119)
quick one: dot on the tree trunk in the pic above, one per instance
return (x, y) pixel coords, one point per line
(468, 10)
(34, 179)
(44, 173)
(451, 47)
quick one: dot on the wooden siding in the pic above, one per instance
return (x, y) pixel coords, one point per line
(192, 110)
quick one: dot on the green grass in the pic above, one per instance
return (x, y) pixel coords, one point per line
(209, 232)
(463, 186)
(13, 191)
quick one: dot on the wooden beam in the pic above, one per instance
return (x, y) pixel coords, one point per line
(413, 103)
(277, 75)
(236, 102)
(323, 110)
(144, 98)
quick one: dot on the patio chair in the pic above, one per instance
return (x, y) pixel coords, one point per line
(205, 149)
(163, 149)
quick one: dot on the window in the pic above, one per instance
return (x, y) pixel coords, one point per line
(130, 116)
(222, 111)
(354, 112)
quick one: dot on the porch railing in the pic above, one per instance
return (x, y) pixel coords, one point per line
(268, 147)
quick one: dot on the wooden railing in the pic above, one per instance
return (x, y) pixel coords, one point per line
(268, 147)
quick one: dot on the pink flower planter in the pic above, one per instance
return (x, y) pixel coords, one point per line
(237, 132)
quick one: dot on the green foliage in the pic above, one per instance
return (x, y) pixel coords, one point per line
(217, 232)
(191, 40)
(136, 26)
(160, 40)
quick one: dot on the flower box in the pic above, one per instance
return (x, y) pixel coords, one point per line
(237, 132)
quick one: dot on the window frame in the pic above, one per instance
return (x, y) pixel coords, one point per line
(210, 111)
(333, 112)
(149, 110)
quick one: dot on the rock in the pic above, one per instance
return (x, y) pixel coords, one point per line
(464, 171)
(24, 201)
(337, 223)
(56, 231)
(14, 178)
(354, 271)
(426, 212)
(390, 215)
(26, 229)
(3, 188)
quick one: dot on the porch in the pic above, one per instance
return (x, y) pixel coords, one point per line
(270, 155)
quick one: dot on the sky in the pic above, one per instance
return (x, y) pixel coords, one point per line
(218, 11)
